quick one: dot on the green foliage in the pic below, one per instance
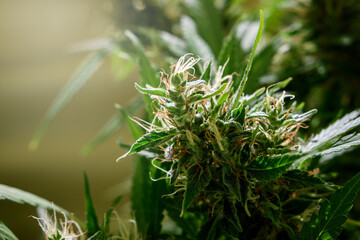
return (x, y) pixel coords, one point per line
(237, 155)
(91, 218)
(235, 165)
(5, 233)
(326, 224)
(20, 196)
(85, 71)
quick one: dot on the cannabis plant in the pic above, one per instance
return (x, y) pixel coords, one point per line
(235, 162)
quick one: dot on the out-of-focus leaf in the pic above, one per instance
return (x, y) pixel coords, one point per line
(20, 196)
(84, 72)
(208, 22)
(147, 72)
(6, 233)
(111, 127)
(91, 218)
(297, 179)
(195, 44)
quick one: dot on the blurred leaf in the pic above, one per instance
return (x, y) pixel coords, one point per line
(208, 22)
(84, 72)
(5, 233)
(195, 44)
(327, 223)
(146, 194)
(297, 179)
(20, 196)
(91, 218)
(147, 72)
(114, 124)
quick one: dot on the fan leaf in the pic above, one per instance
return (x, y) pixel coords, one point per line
(327, 223)
(270, 167)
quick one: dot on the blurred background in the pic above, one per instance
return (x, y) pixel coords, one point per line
(43, 42)
(38, 54)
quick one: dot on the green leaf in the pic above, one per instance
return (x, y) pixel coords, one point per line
(146, 199)
(270, 167)
(111, 127)
(262, 63)
(91, 218)
(242, 84)
(175, 44)
(152, 91)
(327, 223)
(209, 230)
(6, 233)
(150, 139)
(341, 144)
(208, 22)
(295, 206)
(197, 180)
(231, 181)
(195, 44)
(147, 72)
(84, 72)
(216, 92)
(135, 130)
(231, 215)
(335, 130)
(187, 223)
(297, 179)
(20, 196)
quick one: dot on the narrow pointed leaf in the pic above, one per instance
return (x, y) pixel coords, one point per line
(6, 233)
(91, 218)
(208, 22)
(241, 87)
(195, 44)
(152, 91)
(84, 72)
(150, 139)
(20, 196)
(111, 127)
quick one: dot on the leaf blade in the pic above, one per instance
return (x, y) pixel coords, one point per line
(150, 139)
(84, 72)
(6, 233)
